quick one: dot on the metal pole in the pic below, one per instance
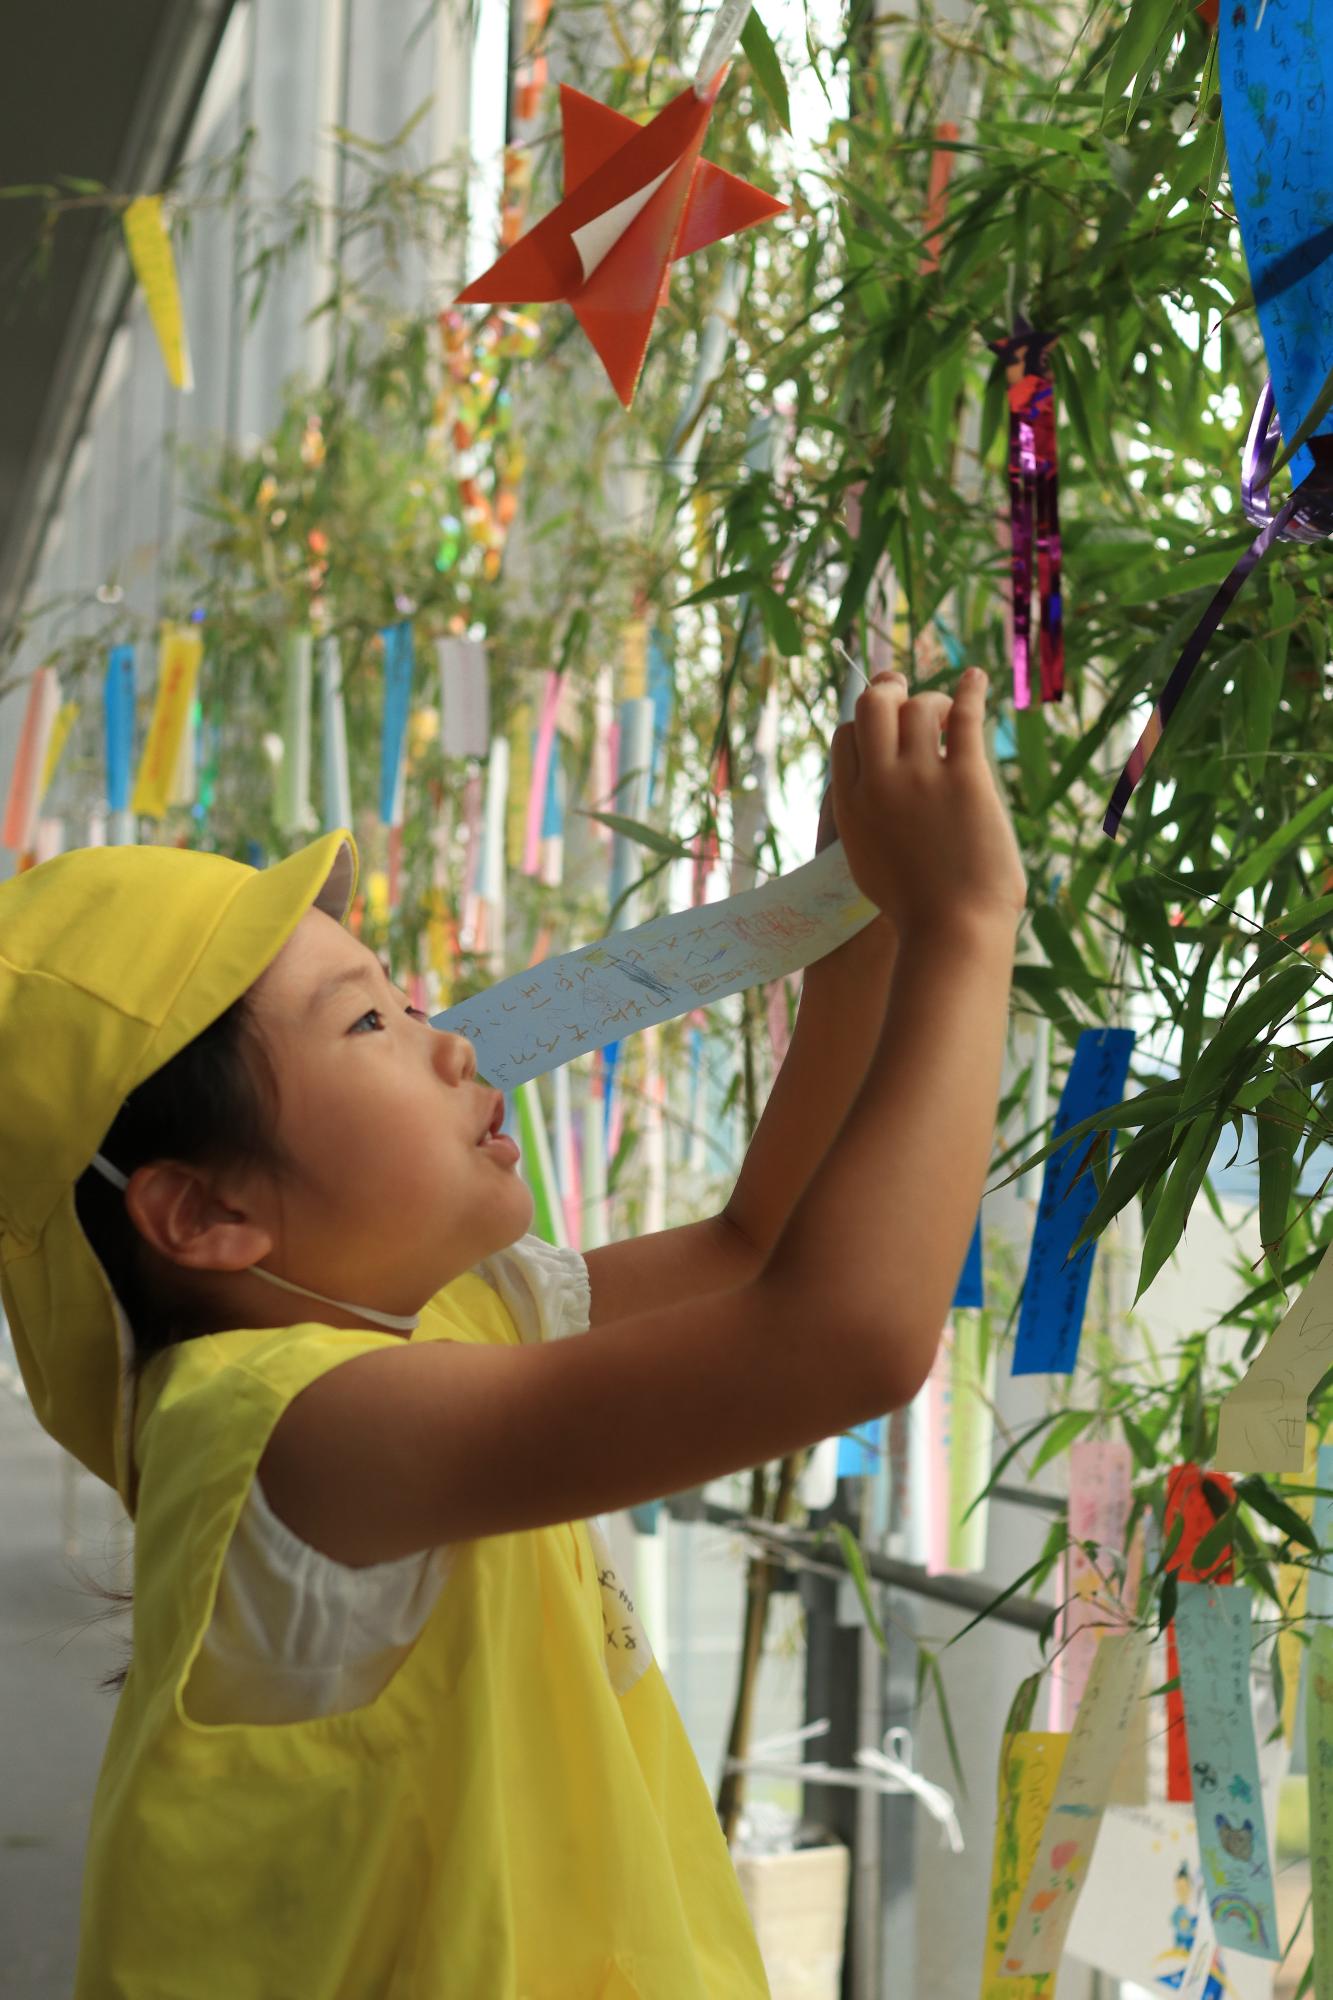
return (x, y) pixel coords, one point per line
(965, 1594)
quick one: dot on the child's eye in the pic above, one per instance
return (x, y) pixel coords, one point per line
(375, 1014)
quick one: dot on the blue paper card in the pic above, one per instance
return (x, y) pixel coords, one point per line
(1278, 112)
(553, 806)
(1213, 1635)
(971, 1286)
(1055, 1293)
(859, 1454)
(661, 681)
(118, 693)
(397, 703)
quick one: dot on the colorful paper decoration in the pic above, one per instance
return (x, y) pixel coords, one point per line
(637, 198)
(541, 775)
(939, 1395)
(66, 716)
(1081, 1795)
(565, 1153)
(465, 697)
(1034, 512)
(1213, 1627)
(596, 1226)
(1159, 1937)
(118, 714)
(972, 1420)
(336, 786)
(1319, 1757)
(633, 777)
(24, 800)
(908, 1448)
(538, 1168)
(1318, 1605)
(490, 887)
(179, 658)
(1187, 1502)
(293, 802)
(942, 162)
(583, 1000)
(1055, 1293)
(1030, 1765)
(1277, 107)
(1261, 1424)
(185, 780)
(398, 663)
(971, 1291)
(149, 243)
(1100, 1477)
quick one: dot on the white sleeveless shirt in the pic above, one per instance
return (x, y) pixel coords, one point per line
(295, 1634)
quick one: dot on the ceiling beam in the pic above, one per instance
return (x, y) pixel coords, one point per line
(157, 132)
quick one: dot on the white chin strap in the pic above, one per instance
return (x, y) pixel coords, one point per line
(391, 1320)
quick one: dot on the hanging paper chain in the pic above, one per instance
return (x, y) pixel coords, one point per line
(1034, 485)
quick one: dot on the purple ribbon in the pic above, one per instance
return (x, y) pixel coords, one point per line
(1307, 516)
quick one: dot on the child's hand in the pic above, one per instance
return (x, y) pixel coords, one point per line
(927, 836)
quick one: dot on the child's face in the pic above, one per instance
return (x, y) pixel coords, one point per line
(382, 1115)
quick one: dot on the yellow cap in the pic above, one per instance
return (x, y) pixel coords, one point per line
(112, 959)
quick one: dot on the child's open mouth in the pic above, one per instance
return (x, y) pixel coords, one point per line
(495, 1142)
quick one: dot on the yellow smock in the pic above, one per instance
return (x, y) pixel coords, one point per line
(518, 1815)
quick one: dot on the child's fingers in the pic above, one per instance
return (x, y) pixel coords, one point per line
(920, 724)
(877, 712)
(844, 758)
(964, 740)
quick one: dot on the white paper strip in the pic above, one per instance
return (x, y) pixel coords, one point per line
(465, 697)
(294, 778)
(597, 239)
(1261, 1424)
(337, 785)
(633, 778)
(1081, 1795)
(595, 1226)
(569, 1006)
(722, 39)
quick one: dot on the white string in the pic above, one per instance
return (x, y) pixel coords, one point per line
(838, 647)
(722, 39)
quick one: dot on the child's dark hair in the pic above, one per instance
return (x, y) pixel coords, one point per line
(215, 1103)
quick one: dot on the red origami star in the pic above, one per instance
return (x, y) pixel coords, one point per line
(637, 197)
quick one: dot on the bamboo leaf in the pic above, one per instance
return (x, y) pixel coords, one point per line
(767, 66)
(643, 836)
(1278, 1140)
(1067, 1427)
(1275, 1000)
(1314, 813)
(1170, 1215)
(1257, 1493)
(851, 1552)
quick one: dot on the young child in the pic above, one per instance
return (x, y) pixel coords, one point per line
(392, 1727)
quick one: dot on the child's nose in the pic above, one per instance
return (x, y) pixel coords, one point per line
(455, 1057)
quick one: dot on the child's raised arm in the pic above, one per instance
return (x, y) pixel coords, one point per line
(411, 1447)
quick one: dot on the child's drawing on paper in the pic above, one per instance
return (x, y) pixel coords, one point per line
(1180, 1952)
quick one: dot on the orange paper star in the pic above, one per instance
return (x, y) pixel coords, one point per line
(637, 197)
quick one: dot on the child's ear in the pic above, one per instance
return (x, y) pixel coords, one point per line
(177, 1211)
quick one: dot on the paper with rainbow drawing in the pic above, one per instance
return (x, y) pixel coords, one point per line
(1213, 1636)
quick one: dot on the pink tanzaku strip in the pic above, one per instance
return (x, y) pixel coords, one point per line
(541, 775)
